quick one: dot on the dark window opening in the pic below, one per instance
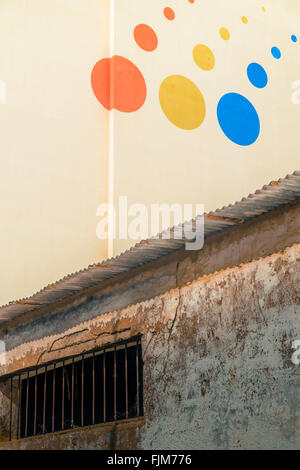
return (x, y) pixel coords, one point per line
(96, 387)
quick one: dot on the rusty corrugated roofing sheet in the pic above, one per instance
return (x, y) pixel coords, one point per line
(270, 197)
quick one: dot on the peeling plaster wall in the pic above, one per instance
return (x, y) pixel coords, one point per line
(217, 359)
(235, 387)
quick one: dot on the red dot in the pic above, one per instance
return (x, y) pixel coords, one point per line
(145, 37)
(169, 13)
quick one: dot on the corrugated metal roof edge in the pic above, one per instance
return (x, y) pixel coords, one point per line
(270, 197)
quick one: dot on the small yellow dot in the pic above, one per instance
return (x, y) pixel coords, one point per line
(244, 19)
(263, 9)
(225, 34)
(204, 57)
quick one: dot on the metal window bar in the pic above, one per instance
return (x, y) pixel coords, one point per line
(137, 380)
(19, 409)
(53, 398)
(44, 402)
(115, 383)
(82, 390)
(10, 409)
(104, 386)
(35, 402)
(72, 396)
(63, 397)
(34, 380)
(126, 382)
(93, 391)
(26, 406)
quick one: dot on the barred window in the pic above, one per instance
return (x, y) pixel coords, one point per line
(99, 386)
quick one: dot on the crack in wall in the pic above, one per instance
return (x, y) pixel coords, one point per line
(94, 335)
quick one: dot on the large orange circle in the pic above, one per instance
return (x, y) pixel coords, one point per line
(119, 84)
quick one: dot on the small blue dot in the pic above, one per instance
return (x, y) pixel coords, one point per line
(294, 38)
(257, 75)
(238, 119)
(276, 53)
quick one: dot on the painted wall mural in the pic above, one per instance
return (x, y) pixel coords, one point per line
(181, 100)
(202, 92)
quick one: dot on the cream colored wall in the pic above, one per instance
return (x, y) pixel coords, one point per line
(158, 162)
(54, 133)
(53, 140)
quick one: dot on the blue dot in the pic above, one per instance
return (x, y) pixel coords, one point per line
(276, 53)
(257, 75)
(238, 119)
(294, 38)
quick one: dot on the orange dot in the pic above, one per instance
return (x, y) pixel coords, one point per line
(119, 84)
(145, 37)
(101, 83)
(192, 1)
(169, 13)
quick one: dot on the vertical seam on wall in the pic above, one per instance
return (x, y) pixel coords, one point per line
(111, 149)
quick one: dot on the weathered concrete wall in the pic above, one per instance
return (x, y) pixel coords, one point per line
(217, 359)
(110, 436)
(5, 408)
(235, 387)
(8, 402)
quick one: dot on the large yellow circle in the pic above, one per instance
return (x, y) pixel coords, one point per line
(182, 102)
(204, 57)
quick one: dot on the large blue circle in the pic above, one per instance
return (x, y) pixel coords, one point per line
(257, 75)
(238, 119)
(276, 53)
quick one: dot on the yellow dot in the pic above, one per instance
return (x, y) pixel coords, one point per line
(204, 57)
(263, 9)
(182, 102)
(244, 19)
(225, 34)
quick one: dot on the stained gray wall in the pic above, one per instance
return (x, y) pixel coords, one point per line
(217, 361)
